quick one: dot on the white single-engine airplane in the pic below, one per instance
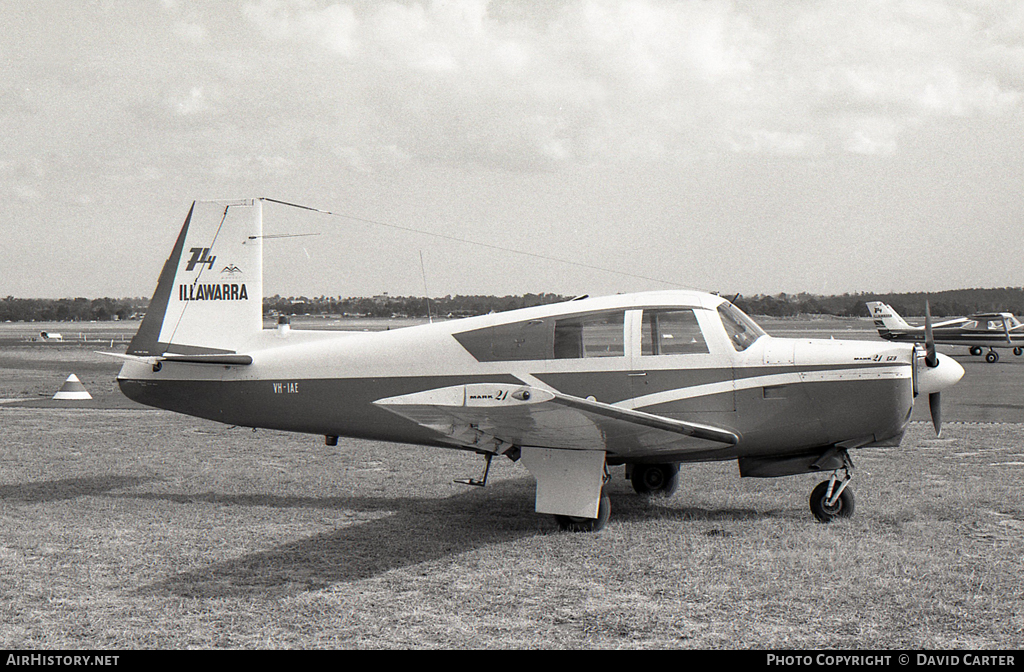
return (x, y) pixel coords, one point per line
(983, 330)
(647, 380)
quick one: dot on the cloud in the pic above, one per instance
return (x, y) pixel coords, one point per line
(194, 102)
(537, 85)
(190, 32)
(331, 27)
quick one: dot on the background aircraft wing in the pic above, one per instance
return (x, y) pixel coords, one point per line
(493, 416)
(950, 323)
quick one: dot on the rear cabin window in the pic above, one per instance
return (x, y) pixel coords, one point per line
(671, 332)
(593, 335)
(518, 341)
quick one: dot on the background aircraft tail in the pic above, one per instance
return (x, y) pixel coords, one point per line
(886, 319)
(209, 298)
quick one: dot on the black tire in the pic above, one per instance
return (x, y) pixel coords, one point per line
(975, 350)
(578, 524)
(992, 357)
(1018, 351)
(658, 480)
(843, 508)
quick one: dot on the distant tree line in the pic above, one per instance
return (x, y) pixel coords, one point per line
(403, 306)
(952, 303)
(942, 304)
(70, 310)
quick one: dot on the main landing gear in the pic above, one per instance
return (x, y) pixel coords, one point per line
(832, 498)
(657, 480)
(992, 356)
(580, 524)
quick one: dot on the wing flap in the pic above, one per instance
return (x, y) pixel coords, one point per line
(488, 416)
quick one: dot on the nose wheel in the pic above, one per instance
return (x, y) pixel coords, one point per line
(832, 498)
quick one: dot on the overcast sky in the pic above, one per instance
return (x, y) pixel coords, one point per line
(755, 147)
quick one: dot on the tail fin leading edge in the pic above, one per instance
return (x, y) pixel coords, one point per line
(209, 298)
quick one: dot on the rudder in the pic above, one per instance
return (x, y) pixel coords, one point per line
(209, 297)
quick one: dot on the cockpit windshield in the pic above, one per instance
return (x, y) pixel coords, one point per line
(742, 330)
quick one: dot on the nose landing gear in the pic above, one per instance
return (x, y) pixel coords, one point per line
(832, 498)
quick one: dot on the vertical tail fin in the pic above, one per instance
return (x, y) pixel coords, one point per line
(209, 298)
(886, 319)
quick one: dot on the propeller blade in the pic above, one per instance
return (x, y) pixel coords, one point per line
(935, 406)
(929, 339)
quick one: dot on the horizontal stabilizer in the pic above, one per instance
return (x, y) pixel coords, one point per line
(489, 416)
(229, 359)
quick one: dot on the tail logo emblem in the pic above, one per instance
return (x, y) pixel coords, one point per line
(200, 257)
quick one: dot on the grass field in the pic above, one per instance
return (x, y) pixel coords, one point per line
(124, 528)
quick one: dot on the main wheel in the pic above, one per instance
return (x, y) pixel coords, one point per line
(992, 357)
(975, 350)
(655, 479)
(843, 508)
(1018, 351)
(580, 524)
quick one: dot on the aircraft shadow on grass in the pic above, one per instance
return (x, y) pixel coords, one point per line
(413, 531)
(68, 488)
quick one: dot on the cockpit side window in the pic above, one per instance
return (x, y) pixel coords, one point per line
(742, 330)
(671, 332)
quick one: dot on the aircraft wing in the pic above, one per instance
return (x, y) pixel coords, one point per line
(949, 323)
(494, 416)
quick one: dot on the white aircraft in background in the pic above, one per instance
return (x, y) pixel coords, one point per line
(983, 330)
(646, 380)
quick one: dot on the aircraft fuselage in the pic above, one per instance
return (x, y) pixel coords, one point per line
(779, 396)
